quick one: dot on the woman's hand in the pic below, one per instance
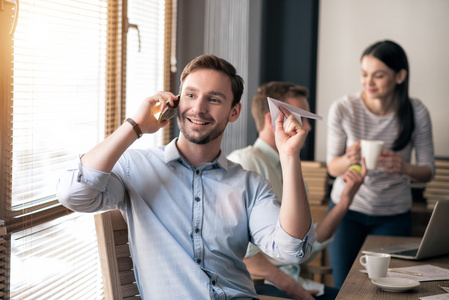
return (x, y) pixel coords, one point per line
(352, 154)
(392, 162)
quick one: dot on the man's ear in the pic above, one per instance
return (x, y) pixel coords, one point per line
(235, 112)
(400, 76)
(268, 119)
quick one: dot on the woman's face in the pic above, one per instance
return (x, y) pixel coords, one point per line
(378, 80)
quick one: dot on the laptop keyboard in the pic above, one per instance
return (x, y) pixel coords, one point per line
(411, 252)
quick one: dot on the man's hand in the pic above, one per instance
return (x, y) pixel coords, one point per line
(297, 292)
(144, 116)
(291, 135)
(353, 180)
(258, 265)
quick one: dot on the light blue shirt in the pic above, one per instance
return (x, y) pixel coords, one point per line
(264, 159)
(188, 227)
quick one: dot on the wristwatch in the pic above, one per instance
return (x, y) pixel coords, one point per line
(135, 127)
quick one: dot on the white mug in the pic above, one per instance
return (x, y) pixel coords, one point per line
(371, 150)
(376, 264)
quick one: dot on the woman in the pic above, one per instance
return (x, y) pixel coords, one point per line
(382, 111)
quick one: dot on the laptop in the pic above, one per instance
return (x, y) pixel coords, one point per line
(435, 241)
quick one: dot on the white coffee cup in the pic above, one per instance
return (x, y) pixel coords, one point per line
(371, 150)
(376, 264)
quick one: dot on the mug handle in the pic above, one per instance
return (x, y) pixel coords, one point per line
(363, 260)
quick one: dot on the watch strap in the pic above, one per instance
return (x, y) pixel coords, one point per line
(135, 127)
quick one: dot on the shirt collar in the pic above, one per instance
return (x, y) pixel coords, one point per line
(172, 155)
(270, 153)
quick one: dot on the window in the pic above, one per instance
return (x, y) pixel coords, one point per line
(64, 88)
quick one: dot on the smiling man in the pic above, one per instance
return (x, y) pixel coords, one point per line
(189, 210)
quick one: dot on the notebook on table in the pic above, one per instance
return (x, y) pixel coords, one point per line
(435, 241)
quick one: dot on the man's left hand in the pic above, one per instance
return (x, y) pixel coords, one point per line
(290, 135)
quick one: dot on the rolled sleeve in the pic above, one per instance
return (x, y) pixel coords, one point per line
(318, 246)
(292, 248)
(252, 250)
(95, 179)
(85, 190)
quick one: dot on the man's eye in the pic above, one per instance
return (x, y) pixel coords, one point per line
(214, 100)
(189, 95)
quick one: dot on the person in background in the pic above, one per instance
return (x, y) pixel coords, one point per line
(382, 111)
(190, 211)
(263, 157)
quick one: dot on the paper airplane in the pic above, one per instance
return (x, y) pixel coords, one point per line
(297, 112)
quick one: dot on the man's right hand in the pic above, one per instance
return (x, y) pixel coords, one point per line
(353, 180)
(144, 116)
(297, 292)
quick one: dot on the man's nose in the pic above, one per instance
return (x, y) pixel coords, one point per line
(200, 105)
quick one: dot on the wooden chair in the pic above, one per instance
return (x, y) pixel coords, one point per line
(116, 264)
(119, 281)
(316, 273)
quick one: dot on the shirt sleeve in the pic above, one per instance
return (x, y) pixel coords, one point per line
(249, 161)
(267, 233)
(318, 246)
(251, 250)
(423, 140)
(85, 190)
(336, 136)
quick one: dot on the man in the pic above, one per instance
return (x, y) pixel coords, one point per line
(263, 158)
(190, 211)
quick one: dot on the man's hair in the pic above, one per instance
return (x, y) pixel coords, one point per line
(219, 64)
(275, 89)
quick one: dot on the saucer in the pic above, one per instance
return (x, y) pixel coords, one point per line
(395, 284)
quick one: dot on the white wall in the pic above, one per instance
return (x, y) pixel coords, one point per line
(421, 27)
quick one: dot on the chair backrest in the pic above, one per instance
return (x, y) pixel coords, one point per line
(119, 281)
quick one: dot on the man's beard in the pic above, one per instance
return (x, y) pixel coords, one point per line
(216, 132)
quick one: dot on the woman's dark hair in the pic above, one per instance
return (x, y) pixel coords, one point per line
(395, 58)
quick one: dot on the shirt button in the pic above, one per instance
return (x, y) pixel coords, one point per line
(196, 230)
(198, 261)
(197, 172)
(197, 199)
(213, 282)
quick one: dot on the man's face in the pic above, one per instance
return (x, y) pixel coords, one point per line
(205, 106)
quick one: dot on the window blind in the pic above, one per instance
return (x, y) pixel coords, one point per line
(144, 59)
(56, 260)
(59, 91)
(58, 96)
(66, 90)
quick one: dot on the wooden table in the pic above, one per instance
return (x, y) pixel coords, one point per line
(358, 286)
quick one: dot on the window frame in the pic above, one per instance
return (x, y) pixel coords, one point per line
(114, 110)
